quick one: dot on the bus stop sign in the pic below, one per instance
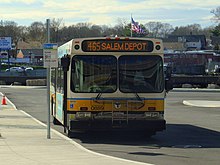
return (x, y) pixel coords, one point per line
(50, 55)
(5, 43)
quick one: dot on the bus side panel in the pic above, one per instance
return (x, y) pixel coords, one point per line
(59, 107)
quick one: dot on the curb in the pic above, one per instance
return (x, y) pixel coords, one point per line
(71, 141)
(202, 103)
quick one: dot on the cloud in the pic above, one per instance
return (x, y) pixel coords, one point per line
(106, 12)
(18, 1)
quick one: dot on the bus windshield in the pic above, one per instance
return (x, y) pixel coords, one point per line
(141, 74)
(94, 74)
(100, 74)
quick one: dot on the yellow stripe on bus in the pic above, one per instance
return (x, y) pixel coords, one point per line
(109, 105)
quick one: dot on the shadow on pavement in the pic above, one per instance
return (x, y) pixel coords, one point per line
(176, 136)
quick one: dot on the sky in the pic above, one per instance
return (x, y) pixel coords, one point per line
(108, 12)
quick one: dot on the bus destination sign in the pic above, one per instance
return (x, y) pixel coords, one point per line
(117, 46)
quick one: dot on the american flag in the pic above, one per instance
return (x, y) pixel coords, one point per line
(136, 27)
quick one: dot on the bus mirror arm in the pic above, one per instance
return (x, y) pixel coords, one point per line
(168, 84)
(65, 63)
(168, 72)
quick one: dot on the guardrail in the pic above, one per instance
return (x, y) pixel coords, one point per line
(22, 77)
(202, 80)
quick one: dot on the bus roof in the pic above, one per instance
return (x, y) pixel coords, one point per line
(67, 47)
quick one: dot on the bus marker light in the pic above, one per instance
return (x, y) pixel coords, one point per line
(76, 47)
(158, 47)
(151, 108)
(83, 108)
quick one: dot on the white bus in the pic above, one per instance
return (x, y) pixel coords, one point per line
(109, 84)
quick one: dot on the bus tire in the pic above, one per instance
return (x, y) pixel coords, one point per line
(148, 134)
(204, 85)
(70, 134)
(143, 134)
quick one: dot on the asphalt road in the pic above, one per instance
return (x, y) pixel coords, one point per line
(192, 135)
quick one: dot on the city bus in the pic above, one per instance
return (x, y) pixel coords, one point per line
(109, 83)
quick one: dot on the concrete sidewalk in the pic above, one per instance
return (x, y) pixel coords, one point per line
(202, 103)
(23, 141)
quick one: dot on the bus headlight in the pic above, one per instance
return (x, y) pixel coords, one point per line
(83, 115)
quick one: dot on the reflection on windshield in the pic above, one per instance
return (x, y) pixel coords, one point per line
(141, 74)
(94, 74)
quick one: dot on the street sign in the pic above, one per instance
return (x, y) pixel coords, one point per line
(50, 55)
(5, 43)
(3, 54)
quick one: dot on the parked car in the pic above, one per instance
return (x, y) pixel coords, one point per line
(19, 69)
(14, 69)
(26, 68)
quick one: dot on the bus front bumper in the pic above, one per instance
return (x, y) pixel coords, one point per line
(105, 125)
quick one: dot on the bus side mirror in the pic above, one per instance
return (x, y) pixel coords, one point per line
(65, 63)
(168, 85)
(168, 71)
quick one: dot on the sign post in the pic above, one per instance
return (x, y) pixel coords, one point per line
(50, 60)
(5, 44)
(50, 55)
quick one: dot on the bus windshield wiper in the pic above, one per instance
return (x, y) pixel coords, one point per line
(138, 97)
(98, 96)
(142, 101)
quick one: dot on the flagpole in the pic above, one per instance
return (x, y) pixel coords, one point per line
(131, 25)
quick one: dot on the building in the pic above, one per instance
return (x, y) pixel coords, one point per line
(35, 56)
(26, 56)
(185, 42)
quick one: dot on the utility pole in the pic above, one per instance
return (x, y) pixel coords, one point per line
(48, 84)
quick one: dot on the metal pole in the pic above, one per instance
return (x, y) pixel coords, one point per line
(48, 84)
(8, 59)
(131, 25)
(0, 62)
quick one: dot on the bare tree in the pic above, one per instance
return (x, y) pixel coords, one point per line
(55, 26)
(107, 31)
(83, 29)
(120, 28)
(216, 31)
(207, 31)
(216, 13)
(9, 29)
(158, 29)
(61, 33)
(216, 18)
(37, 32)
(166, 29)
(187, 30)
(65, 34)
(96, 31)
